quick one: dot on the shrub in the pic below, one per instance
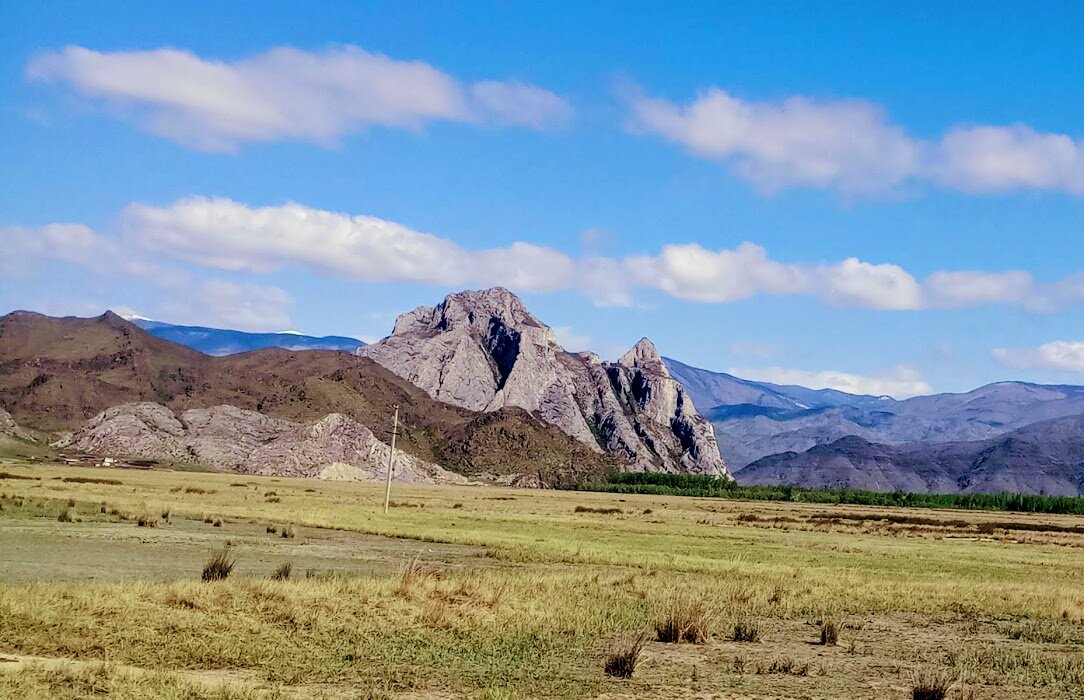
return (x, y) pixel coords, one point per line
(684, 620)
(621, 662)
(600, 511)
(931, 685)
(166, 514)
(271, 530)
(830, 632)
(219, 566)
(288, 532)
(65, 516)
(283, 572)
(217, 522)
(146, 521)
(746, 631)
(414, 572)
(785, 665)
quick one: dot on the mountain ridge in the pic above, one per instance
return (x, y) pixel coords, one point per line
(483, 350)
(57, 374)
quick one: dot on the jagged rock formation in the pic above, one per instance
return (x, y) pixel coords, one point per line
(230, 438)
(483, 350)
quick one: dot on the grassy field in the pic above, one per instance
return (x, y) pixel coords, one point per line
(496, 593)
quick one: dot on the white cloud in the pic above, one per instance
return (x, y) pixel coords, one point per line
(798, 142)
(997, 159)
(1061, 355)
(969, 288)
(694, 273)
(514, 103)
(227, 235)
(286, 94)
(849, 146)
(856, 283)
(901, 381)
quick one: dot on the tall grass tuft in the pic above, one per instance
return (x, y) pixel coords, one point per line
(283, 572)
(931, 685)
(219, 566)
(621, 661)
(684, 620)
(830, 628)
(746, 631)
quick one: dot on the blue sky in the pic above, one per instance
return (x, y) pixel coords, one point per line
(856, 195)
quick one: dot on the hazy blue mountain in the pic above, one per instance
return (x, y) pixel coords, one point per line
(756, 419)
(221, 341)
(1045, 457)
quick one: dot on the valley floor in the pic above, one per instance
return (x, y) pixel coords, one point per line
(500, 593)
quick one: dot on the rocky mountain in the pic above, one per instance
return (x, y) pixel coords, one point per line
(1046, 457)
(484, 351)
(335, 446)
(221, 341)
(58, 373)
(755, 420)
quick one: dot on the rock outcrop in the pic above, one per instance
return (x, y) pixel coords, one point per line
(484, 350)
(235, 439)
(10, 429)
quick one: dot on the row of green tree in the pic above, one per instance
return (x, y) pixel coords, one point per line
(715, 487)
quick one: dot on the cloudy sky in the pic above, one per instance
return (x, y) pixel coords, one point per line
(884, 200)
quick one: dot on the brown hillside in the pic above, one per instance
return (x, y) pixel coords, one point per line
(57, 372)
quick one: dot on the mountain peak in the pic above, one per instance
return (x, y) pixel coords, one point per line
(644, 355)
(477, 308)
(483, 350)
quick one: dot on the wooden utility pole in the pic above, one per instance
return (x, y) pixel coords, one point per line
(391, 456)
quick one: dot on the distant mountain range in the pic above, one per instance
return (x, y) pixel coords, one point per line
(1045, 457)
(221, 341)
(760, 419)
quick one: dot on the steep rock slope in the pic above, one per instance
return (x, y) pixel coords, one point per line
(1045, 457)
(483, 350)
(57, 373)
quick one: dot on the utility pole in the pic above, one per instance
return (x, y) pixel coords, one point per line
(391, 456)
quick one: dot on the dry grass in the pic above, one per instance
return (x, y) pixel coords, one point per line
(931, 685)
(600, 511)
(746, 631)
(829, 631)
(219, 566)
(684, 619)
(562, 586)
(282, 573)
(621, 661)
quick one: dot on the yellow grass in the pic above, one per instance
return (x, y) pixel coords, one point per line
(537, 614)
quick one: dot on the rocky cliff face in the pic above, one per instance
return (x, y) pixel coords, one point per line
(230, 438)
(483, 350)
